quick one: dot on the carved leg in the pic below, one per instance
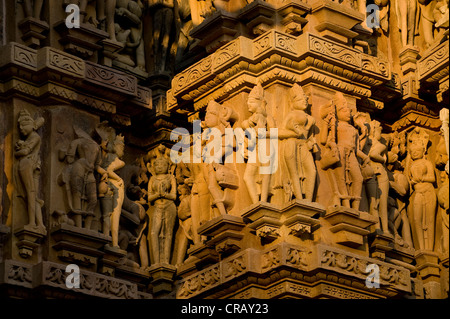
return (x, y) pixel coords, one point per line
(250, 181)
(154, 234)
(310, 173)
(26, 175)
(38, 9)
(110, 9)
(169, 221)
(430, 219)
(291, 163)
(115, 216)
(383, 185)
(418, 218)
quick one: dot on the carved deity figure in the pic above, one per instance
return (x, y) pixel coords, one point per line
(133, 229)
(111, 188)
(185, 25)
(28, 171)
(162, 193)
(406, 14)
(33, 8)
(221, 178)
(423, 198)
(299, 145)
(384, 6)
(339, 155)
(399, 223)
(200, 9)
(163, 26)
(443, 192)
(83, 158)
(258, 185)
(128, 27)
(434, 19)
(185, 231)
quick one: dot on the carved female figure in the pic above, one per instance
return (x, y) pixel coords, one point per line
(406, 13)
(299, 145)
(162, 192)
(259, 120)
(423, 199)
(342, 139)
(29, 167)
(184, 234)
(112, 196)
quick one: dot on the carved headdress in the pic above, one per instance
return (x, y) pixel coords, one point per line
(226, 115)
(257, 93)
(25, 118)
(297, 93)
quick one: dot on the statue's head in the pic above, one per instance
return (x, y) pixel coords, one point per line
(342, 110)
(256, 101)
(218, 115)
(161, 165)
(27, 124)
(417, 151)
(298, 98)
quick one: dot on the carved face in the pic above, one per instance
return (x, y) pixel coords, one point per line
(417, 151)
(212, 115)
(26, 127)
(343, 112)
(161, 166)
(253, 104)
(300, 102)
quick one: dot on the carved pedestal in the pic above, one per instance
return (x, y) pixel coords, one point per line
(83, 41)
(300, 217)
(111, 259)
(293, 16)
(349, 225)
(203, 254)
(29, 239)
(335, 20)
(380, 244)
(427, 264)
(78, 245)
(162, 278)
(216, 30)
(258, 16)
(226, 233)
(110, 50)
(33, 31)
(264, 220)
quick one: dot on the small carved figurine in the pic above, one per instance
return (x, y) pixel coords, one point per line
(29, 167)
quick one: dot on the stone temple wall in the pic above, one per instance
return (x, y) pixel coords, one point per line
(330, 175)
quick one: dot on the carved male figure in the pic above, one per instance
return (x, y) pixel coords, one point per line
(342, 139)
(83, 158)
(221, 178)
(29, 167)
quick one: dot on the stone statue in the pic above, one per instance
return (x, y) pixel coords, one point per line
(377, 155)
(111, 188)
(163, 26)
(258, 185)
(33, 8)
(384, 6)
(199, 10)
(434, 19)
(443, 192)
(399, 223)
(28, 171)
(162, 192)
(185, 25)
(299, 145)
(221, 178)
(406, 14)
(185, 231)
(128, 28)
(134, 220)
(339, 156)
(423, 200)
(444, 116)
(194, 175)
(83, 158)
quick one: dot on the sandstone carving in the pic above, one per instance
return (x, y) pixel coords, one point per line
(27, 153)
